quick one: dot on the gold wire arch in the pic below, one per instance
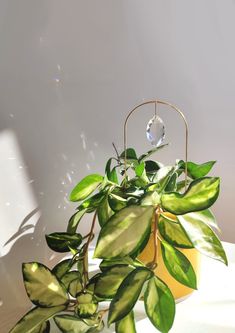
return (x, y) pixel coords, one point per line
(156, 101)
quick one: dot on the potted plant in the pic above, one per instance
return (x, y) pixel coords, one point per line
(147, 220)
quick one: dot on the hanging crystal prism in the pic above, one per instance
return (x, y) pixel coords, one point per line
(155, 131)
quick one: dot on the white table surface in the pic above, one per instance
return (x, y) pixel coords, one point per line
(210, 309)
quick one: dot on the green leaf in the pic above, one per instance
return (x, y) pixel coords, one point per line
(71, 324)
(150, 199)
(85, 187)
(178, 265)
(96, 329)
(43, 287)
(35, 318)
(108, 166)
(107, 264)
(44, 328)
(104, 211)
(109, 281)
(124, 232)
(92, 203)
(163, 173)
(143, 179)
(139, 182)
(90, 287)
(111, 173)
(203, 237)
(162, 178)
(75, 287)
(113, 177)
(171, 184)
(74, 221)
(133, 191)
(199, 170)
(128, 294)
(150, 152)
(63, 241)
(141, 246)
(200, 195)
(173, 233)
(181, 185)
(73, 250)
(139, 169)
(69, 277)
(204, 216)
(126, 325)
(130, 154)
(128, 192)
(159, 304)
(80, 266)
(94, 320)
(152, 167)
(87, 305)
(116, 202)
(62, 268)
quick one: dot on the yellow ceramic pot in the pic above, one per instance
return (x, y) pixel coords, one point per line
(178, 290)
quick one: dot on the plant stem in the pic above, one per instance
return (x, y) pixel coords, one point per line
(155, 227)
(85, 272)
(84, 237)
(115, 148)
(103, 312)
(159, 237)
(73, 301)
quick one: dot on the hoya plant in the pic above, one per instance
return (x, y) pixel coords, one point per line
(128, 206)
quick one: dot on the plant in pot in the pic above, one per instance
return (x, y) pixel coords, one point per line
(153, 228)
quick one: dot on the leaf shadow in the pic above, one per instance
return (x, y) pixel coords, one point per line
(25, 248)
(22, 227)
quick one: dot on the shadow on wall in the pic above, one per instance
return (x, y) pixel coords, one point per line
(14, 301)
(23, 224)
(22, 233)
(22, 237)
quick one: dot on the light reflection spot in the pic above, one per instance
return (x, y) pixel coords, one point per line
(69, 177)
(83, 140)
(34, 267)
(53, 286)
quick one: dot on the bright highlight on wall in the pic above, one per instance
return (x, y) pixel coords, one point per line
(16, 197)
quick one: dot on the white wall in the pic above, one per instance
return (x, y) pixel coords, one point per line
(70, 71)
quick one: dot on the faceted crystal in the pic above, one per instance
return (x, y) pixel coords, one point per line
(155, 131)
